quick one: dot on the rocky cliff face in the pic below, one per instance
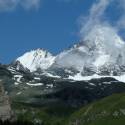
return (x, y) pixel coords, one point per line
(5, 108)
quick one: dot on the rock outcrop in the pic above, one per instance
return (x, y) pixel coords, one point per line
(5, 108)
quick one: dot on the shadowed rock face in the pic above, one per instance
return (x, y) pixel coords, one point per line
(5, 108)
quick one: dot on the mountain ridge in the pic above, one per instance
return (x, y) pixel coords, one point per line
(97, 55)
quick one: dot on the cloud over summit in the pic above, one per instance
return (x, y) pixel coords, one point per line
(97, 18)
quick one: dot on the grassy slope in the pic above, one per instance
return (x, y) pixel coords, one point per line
(108, 111)
(47, 115)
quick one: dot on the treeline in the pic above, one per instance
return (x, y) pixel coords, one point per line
(7, 122)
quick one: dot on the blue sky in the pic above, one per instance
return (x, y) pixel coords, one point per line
(50, 24)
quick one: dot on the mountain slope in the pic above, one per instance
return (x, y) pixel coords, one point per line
(108, 111)
(101, 52)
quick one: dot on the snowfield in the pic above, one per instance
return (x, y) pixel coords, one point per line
(79, 77)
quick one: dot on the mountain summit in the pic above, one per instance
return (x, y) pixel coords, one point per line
(36, 59)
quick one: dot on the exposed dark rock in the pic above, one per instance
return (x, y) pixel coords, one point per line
(5, 108)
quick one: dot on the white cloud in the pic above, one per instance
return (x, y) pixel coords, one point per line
(121, 21)
(96, 14)
(9, 5)
(30, 3)
(97, 18)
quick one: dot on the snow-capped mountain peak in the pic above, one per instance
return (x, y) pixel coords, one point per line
(36, 59)
(101, 52)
